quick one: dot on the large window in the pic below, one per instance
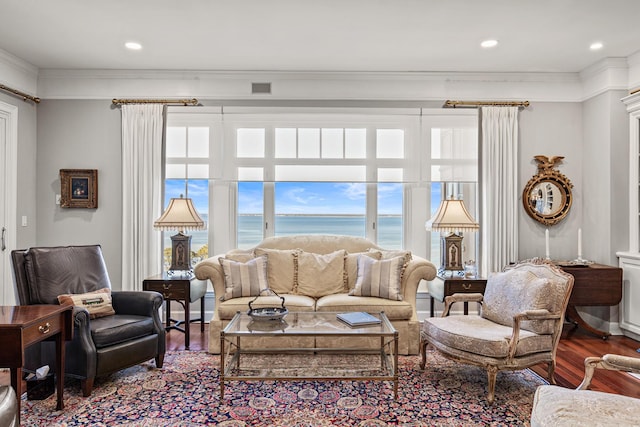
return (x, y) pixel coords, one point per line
(186, 170)
(338, 177)
(379, 174)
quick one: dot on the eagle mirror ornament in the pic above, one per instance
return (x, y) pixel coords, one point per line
(547, 196)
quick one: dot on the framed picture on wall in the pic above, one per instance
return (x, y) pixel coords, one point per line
(79, 188)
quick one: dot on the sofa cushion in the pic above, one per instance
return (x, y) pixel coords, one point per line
(395, 310)
(110, 330)
(516, 291)
(387, 254)
(351, 266)
(97, 303)
(227, 309)
(280, 268)
(320, 275)
(318, 243)
(244, 279)
(379, 278)
(64, 270)
(477, 335)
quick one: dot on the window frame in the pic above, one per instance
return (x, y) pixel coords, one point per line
(223, 195)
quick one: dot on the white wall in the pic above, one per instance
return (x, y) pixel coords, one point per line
(551, 129)
(81, 135)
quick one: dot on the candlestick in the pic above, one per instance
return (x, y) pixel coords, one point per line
(546, 242)
(579, 243)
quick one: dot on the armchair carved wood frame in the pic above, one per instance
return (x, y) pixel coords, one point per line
(522, 314)
(100, 346)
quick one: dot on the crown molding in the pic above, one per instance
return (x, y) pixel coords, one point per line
(17, 73)
(225, 85)
(634, 71)
(605, 75)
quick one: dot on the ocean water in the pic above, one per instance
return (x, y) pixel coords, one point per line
(389, 227)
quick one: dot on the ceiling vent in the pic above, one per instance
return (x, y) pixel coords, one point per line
(260, 88)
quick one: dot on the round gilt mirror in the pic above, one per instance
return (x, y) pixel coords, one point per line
(547, 196)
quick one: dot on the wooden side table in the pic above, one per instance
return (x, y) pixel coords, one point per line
(184, 290)
(23, 325)
(456, 285)
(594, 285)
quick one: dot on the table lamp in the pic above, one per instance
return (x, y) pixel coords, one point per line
(452, 216)
(180, 215)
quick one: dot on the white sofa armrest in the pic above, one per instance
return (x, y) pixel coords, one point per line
(211, 269)
(417, 269)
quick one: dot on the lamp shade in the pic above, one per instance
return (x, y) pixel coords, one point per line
(180, 215)
(452, 216)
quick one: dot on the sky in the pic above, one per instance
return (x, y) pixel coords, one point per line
(297, 197)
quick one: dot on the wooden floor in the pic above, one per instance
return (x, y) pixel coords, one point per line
(574, 346)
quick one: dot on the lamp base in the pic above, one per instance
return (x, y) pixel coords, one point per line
(180, 253)
(451, 253)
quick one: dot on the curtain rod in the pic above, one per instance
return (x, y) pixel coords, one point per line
(454, 104)
(22, 95)
(192, 101)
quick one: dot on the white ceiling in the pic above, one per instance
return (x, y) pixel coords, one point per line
(320, 35)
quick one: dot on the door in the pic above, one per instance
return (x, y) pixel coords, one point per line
(8, 199)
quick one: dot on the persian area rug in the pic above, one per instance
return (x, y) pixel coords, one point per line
(186, 392)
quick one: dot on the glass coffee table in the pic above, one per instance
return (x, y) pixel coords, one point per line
(379, 363)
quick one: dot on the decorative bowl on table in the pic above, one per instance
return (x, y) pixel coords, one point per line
(267, 313)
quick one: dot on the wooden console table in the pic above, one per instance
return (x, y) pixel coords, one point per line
(594, 285)
(23, 325)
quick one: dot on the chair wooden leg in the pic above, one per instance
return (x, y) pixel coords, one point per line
(552, 372)
(87, 386)
(423, 353)
(160, 359)
(492, 373)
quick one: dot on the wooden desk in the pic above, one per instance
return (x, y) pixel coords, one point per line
(594, 285)
(21, 326)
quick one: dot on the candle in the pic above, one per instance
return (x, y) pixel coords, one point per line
(546, 242)
(579, 243)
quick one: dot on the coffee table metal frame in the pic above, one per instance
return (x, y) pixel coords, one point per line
(327, 325)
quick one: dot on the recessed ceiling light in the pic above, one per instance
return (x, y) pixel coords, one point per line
(133, 45)
(489, 43)
(596, 46)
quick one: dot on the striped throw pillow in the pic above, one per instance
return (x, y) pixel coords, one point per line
(379, 278)
(244, 279)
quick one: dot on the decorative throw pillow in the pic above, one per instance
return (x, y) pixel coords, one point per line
(244, 279)
(386, 254)
(516, 291)
(98, 303)
(280, 269)
(320, 275)
(379, 278)
(351, 265)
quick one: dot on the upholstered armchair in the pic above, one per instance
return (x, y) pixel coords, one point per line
(522, 313)
(112, 330)
(9, 414)
(559, 406)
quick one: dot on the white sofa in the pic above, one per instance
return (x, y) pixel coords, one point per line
(298, 265)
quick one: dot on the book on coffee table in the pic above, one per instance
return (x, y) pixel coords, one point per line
(358, 318)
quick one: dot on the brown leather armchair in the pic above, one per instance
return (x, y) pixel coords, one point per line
(134, 334)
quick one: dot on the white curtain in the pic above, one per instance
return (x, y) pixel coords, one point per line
(499, 220)
(142, 127)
